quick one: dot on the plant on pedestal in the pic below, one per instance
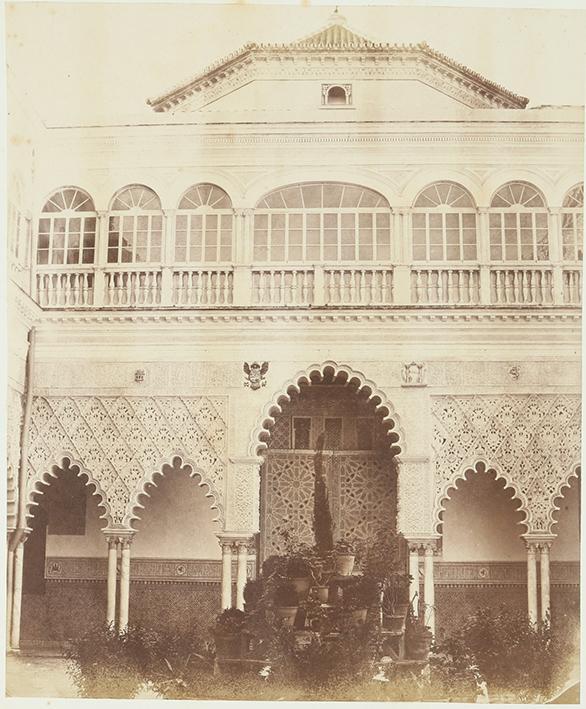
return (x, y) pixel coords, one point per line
(228, 631)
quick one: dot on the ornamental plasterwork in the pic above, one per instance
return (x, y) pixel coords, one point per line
(121, 442)
(532, 441)
(242, 502)
(414, 499)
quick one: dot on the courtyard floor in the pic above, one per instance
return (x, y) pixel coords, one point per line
(34, 676)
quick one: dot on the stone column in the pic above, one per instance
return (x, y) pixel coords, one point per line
(531, 580)
(414, 574)
(242, 254)
(101, 259)
(483, 246)
(112, 578)
(17, 592)
(428, 585)
(545, 546)
(9, 585)
(125, 542)
(242, 547)
(226, 574)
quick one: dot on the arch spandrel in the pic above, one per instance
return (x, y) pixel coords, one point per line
(532, 441)
(261, 432)
(124, 441)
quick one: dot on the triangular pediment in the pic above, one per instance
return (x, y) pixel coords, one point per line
(336, 53)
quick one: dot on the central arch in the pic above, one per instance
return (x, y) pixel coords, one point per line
(328, 370)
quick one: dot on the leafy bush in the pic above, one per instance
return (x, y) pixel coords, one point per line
(502, 647)
(106, 663)
(285, 596)
(230, 621)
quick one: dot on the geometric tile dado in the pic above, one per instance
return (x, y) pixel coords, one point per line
(530, 440)
(121, 442)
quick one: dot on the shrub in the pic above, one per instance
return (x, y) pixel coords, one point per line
(230, 621)
(285, 596)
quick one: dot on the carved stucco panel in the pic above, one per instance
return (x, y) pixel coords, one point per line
(120, 442)
(13, 432)
(532, 441)
(242, 497)
(415, 493)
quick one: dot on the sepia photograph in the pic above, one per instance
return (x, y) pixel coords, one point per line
(293, 380)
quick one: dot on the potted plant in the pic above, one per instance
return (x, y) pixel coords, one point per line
(228, 632)
(359, 596)
(299, 574)
(418, 637)
(344, 557)
(286, 603)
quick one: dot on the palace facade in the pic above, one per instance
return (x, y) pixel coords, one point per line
(334, 241)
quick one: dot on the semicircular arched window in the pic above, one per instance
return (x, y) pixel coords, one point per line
(135, 226)
(204, 226)
(444, 224)
(573, 223)
(322, 221)
(67, 228)
(518, 224)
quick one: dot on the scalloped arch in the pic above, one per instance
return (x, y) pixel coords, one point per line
(34, 483)
(575, 473)
(261, 433)
(134, 503)
(473, 464)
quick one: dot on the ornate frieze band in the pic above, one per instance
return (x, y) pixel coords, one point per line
(96, 569)
(120, 443)
(456, 573)
(530, 440)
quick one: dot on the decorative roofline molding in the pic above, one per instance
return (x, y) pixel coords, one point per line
(341, 42)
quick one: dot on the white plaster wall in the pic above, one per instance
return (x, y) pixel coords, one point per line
(177, 522)
(480, 523)
(566, 546)
(90, 544)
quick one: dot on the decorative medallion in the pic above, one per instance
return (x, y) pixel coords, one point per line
(413, 374)
(139, 376)
(255, 374)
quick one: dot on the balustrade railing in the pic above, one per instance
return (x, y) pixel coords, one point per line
(445, 286)
(572, 283)
(202, 287)
(64, 288)
(358, 286)
(282, 286)
(132, 288)
(521, 286)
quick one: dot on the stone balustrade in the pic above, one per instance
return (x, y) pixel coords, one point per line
(444, 285)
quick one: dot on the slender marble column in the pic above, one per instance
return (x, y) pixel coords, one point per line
(124, 583)
(17, 596)
(226, 574)
(531, 581)
(414, 573)
(544, 561)
(428, 587)
(9, 589)
(241, 574)
(112, 574)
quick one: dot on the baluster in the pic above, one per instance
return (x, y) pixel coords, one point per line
(384, 286)
(436, 276)
(374, 281)
(509, 286)
(536, 287)
(295, 287)
(418, 287)
(283, 288)
(185, 285)
(530, 286)
(226, 276)
(546, 277)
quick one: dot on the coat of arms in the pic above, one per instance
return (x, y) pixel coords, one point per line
(255, 374)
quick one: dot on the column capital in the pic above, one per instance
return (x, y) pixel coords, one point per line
(534, 542)
(235, 539)
(119, 536)
(243, 211)
(169, 212)
(102, 213)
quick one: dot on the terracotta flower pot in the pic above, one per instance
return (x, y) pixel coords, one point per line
(301, 585)
(322, 593)
(344, 564)
(286, 614)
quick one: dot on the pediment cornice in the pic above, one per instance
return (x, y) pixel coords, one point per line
(351, 59)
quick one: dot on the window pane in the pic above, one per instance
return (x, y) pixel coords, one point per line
(42, 256)
(301, 433)
(88, 256)
(419, 253)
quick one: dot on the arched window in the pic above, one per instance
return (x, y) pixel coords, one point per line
(135, 226)
(518, 224)
(444, 224)
(204, 226)
(322, 222)
(573, 223)
(67, 228)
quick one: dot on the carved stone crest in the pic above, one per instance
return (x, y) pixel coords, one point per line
(413, 374)
(515, 372)
(255, 374)
(139, 376)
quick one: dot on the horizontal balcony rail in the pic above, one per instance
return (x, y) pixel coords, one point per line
(430, 285)
(358, 286)
(445, 285)
(283, 286)
(202, 287)
(516, 285)
(65, 288)
(132, 288)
